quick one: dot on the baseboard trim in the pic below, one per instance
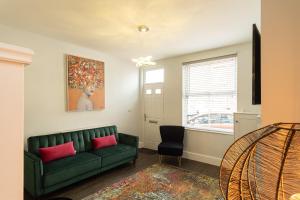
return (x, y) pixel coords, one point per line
(141, 144)
(202, 158)
(150, 145)
(212, 160)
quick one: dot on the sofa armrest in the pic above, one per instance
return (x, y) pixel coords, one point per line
(33, 172)
(129, 139)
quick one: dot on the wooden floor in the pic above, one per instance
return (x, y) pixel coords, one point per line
(146, 158)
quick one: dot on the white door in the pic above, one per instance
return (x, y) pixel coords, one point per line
(153, 110)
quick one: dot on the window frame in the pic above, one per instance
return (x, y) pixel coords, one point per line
(184, 96)
(153, 69)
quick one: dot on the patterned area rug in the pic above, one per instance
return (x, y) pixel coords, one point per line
(162, 182)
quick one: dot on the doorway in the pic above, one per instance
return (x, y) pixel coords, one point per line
(153, 106)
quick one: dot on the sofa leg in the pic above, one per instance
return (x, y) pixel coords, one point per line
(179, 161)
(134, 161)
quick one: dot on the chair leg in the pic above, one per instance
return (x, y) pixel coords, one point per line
(179, 160)
(160, 158)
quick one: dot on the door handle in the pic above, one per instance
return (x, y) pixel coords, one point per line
(153, 122)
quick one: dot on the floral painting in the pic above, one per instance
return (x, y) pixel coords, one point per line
(85, 84)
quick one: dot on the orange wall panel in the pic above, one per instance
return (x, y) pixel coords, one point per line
(11, 130)
(12, 61)
(280, 61)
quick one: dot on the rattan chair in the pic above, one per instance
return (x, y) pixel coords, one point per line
(264, 164)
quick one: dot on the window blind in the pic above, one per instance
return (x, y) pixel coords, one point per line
(210, 94)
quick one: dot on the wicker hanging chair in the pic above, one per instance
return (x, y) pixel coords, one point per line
(263, 165)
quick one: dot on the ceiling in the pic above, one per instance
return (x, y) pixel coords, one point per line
(176, 26)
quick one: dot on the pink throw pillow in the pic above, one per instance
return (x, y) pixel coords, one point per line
(102, 142)
(56, 152)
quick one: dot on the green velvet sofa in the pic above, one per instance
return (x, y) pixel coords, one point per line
(40, 179)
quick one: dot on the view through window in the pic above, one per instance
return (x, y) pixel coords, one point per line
(210, 94)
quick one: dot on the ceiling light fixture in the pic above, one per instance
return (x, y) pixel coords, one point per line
(143, 28)
(143, 61)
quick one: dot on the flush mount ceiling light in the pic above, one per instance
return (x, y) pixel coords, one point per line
(143, 61)
(143, 28)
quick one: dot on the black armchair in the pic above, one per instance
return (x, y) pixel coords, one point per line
(172, 142)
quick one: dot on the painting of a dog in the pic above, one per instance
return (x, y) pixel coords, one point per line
(85, 84)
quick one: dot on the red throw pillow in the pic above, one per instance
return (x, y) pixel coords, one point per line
(102, 142)
(56, 152)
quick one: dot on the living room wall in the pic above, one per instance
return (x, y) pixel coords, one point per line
(204, 146)
(280, 61)
(45, 87)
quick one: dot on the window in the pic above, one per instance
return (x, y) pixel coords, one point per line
(209, 94)
(148, 91)
(158, 91)
(154, 76)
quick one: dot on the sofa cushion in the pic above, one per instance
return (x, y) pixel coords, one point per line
(82, 139)
(102, 142)
(115, 153)
(56, 152)
(61, 170)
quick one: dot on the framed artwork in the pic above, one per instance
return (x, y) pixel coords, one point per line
(85, 84)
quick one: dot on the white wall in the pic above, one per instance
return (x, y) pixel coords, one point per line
(280, 61)
(45, 87)
(205, 146)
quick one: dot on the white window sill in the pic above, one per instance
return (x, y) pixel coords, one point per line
(210, 131)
